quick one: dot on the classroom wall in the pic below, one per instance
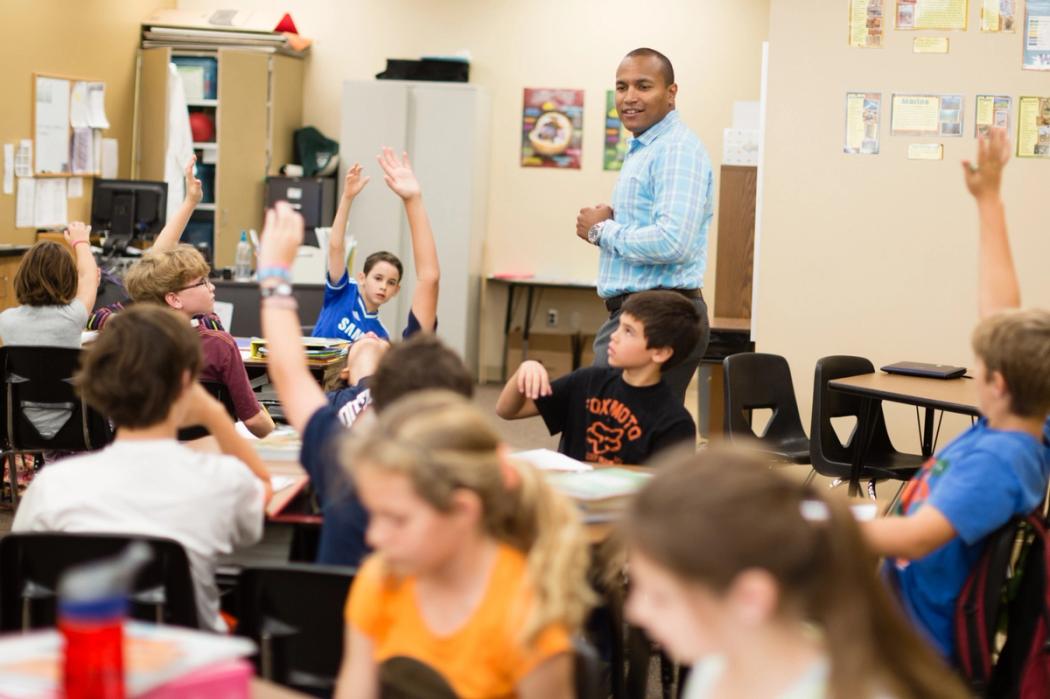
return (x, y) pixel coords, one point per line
(716, 49)
(96, 40)
(876, 255)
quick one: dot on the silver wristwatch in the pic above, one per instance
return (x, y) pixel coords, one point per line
(284, 289)
(594, 233)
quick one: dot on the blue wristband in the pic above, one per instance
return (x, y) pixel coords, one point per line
(281, 273)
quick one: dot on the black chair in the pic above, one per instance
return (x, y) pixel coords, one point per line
(294, 612)
(31, 565)
(869, 443)
(41, 377)
(587, 671)
(222, 394)
(755, 381)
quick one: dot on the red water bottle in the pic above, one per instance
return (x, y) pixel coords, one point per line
(93, 661)
(92, 604)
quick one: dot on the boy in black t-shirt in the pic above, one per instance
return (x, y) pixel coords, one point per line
(625, 413)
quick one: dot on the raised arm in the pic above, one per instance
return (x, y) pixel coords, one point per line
(353, 183)
(286, 362)
(517, 400)
(997, 286)
(169, 236)
(398, 175)
(77, 235)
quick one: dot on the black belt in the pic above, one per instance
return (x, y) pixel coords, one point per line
(614, 303)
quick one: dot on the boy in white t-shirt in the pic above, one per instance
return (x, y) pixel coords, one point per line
(142, 374)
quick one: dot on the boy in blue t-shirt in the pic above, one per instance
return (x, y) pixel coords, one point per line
(1000, 467)
(996, 470)
(350, 308)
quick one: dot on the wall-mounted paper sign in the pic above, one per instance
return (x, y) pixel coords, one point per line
(927, 115)
(862, 123)
(930, 44)
(925, 151)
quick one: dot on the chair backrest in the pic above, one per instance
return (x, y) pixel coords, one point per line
(828, 454)
(587, 671)
(31, 565)
(294, 613)
(222, 394)
(755, 381)
(41, 377)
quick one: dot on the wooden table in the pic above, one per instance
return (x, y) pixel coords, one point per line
(326, 371)
(947, 395)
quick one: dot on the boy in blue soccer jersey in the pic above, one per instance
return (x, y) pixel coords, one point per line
(351, 306)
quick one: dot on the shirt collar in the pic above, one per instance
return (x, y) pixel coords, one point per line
(655, 131)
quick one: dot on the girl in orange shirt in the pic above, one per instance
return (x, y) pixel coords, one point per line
(478, 578)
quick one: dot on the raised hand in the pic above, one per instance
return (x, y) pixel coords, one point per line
(398, 175)
(194, 188)
(77, 231)
(282, 236)
(533, 380)
(354, 182)
(993, 152)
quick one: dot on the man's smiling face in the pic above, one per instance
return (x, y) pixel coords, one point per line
(643, 96)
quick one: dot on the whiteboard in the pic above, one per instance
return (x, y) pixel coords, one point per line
(51, 124)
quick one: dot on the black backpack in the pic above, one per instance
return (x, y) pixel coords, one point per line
(1008, 590)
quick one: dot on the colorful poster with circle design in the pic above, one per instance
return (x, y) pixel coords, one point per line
(552, 128)
(616, 136)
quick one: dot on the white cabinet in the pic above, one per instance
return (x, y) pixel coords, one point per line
(445, 129)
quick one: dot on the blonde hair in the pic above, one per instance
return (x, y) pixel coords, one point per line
(1016, 344)
(442, 443)
(158, 274)
(711, 516)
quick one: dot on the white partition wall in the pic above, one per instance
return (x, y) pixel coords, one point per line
(445, 129)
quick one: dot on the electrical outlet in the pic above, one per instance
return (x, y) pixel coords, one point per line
(552, 317)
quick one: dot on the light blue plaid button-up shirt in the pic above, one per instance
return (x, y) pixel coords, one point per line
(661, 213)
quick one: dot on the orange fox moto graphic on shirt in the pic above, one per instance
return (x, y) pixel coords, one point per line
(605, 441)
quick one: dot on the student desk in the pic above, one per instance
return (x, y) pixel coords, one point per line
(326, 371)
(947, 395)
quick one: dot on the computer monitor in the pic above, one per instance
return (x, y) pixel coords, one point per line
(128, 209)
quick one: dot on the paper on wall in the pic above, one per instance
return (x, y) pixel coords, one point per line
(24, 202)
(740, 146)
(78, 106)
(9, 168)
(24, 158)
(925, 151)
(1033, 127)
(862, 123)
(747, 115)
(97, 106)
(998, 15)
(51, 130)
(49, 208)
(1037, 35)
(109, 158)
(993, 111)
(865, 24)
(83, 151)
(75, 188)
(932, 14)
(927, 115)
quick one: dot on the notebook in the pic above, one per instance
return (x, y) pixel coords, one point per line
(934, 371)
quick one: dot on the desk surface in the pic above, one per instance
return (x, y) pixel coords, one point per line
(951, 395)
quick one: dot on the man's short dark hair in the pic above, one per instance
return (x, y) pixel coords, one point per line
(669, 319)
(420, 363)
(666, 69)
(135, 370)
(384, 256)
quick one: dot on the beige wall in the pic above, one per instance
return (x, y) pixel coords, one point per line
(96, 39)
(876, 255)
(716, 48)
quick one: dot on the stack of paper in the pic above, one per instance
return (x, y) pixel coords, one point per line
(317, 348)
(547, 460)
(601, 490)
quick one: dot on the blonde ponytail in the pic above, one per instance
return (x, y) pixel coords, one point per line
(442, 443)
